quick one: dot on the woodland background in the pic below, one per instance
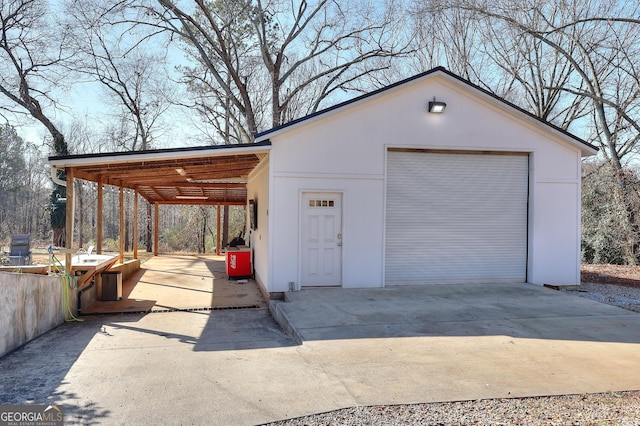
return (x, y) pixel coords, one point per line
(85, 76)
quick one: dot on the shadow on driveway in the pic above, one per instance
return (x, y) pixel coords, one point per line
(383, 346)
(40, 371)
(32, 373)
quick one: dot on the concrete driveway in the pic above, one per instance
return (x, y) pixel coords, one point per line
(359, 347)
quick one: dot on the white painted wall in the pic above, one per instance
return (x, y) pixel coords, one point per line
(345, 151)
(361, 228)
(30, 305)
(258, 189)
(555, 252)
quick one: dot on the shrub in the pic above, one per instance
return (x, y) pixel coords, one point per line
(609, 215)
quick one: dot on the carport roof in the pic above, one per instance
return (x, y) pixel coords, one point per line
(201, 175)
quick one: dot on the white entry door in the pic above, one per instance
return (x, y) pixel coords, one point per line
(321, 239)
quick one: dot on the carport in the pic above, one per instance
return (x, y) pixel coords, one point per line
(210, 175)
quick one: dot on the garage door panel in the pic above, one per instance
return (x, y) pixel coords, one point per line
(456, 217)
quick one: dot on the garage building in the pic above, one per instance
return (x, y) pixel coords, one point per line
(380, 191)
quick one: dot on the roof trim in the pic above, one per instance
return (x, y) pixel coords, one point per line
(341, 105)
(159, 154)
(263, 136)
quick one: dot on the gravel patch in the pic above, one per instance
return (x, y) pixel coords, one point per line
(623, 297)
(621, 408)
(615, 408)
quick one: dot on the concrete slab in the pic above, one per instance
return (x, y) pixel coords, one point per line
(465, 342)
(237, 367)
(173, 282)
(518, 310)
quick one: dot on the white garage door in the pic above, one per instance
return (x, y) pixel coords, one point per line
(456, 217)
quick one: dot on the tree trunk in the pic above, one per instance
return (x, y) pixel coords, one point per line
(58, 213)
(58, 208)
(622, 197)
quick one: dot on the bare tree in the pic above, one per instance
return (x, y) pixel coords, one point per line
(260, 65)
(130, 66)
(32, 57)
(601, 50)
(257, 60)
(533, 75)
(451, 37)
(498, 57)
(80, 136)
(142, 96)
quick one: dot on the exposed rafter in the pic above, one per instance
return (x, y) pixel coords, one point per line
(201, 176)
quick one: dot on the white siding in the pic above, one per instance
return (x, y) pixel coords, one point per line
(258, 190)
(551, 225)
(362, 244)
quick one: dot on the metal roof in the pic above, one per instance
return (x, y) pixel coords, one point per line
(201, 175)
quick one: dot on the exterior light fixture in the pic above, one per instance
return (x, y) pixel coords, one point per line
(437, 107)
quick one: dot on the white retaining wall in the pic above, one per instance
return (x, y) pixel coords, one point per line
(30, 305)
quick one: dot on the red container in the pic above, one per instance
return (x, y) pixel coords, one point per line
(238, 262)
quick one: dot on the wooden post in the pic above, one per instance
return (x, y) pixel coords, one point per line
(135, 224)
(69, 220)
(99, 231)
(155, 229)
(218, 249)
(121, 259)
